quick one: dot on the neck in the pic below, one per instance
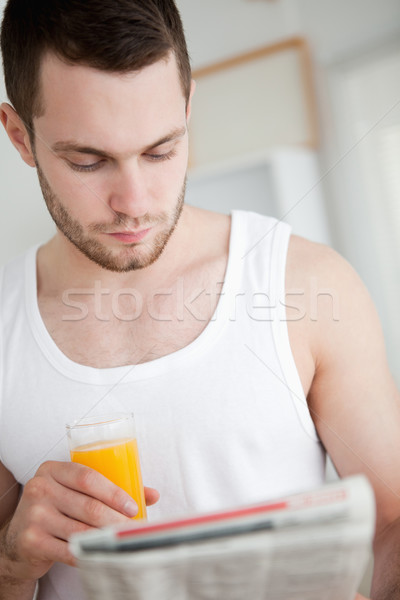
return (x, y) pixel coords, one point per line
(62, 266)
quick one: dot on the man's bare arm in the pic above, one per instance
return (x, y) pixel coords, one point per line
(10, 588)
(386, 580)
(355, 404)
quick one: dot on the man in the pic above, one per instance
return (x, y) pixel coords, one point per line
(123, 308)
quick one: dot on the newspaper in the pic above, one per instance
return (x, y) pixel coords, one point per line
(309, 546)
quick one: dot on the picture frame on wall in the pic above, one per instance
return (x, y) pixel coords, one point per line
(257, 100)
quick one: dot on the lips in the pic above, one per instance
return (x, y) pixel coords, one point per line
(129, 237)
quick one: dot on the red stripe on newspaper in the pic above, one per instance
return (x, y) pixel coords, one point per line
(201, 520)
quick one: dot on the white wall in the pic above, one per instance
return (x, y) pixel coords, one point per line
(24, 218)
(218, 29)
(338, 28)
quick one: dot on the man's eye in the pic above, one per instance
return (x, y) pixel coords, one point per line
(161, 157)
(86, 168)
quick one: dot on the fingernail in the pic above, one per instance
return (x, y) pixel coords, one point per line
(130, 508)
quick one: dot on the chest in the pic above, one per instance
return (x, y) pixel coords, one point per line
(128, 327)
(132, 331)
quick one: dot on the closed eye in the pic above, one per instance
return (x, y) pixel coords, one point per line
(161, 157)
(86, 168)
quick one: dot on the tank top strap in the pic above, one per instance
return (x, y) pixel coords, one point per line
(264, 246)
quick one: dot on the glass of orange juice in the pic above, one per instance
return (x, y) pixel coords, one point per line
(108, 444)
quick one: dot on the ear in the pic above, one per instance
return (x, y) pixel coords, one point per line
(17, 132)
(189, 104)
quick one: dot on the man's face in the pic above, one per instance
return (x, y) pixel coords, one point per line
(111, 153)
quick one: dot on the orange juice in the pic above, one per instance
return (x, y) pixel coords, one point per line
(118, 460)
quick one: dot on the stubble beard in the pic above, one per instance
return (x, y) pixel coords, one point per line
(130, 257)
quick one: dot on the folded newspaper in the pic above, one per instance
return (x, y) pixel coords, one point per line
(309, 546)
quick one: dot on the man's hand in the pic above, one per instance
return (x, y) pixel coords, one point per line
(359, 597)
(61, 499)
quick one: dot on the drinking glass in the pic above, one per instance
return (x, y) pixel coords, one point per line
(108, 444)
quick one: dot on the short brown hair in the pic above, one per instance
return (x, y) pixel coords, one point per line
(109, 35)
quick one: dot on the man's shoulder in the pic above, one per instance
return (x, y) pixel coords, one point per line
(331, 296)
(15, 262)
(309, 260)
(13, 273)
(323, 287)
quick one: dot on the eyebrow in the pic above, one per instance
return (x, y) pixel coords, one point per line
(72, 146)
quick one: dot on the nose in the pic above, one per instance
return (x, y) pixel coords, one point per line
(129, 193)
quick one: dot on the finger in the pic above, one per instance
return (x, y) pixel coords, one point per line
(40, 547)
(151, 495)
(55, 524)
(91, 511)
(89, 482)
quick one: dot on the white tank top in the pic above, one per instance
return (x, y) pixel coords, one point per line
(221, 422)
